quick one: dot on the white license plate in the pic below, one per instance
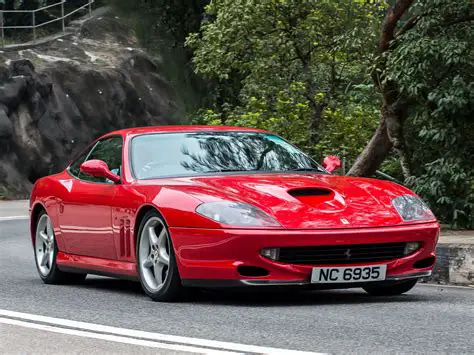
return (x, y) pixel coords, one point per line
(370, 273)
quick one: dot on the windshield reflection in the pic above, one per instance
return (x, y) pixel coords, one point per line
(200, 153)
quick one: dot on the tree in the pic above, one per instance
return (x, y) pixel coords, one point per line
(286, 54)
(425, 74)
(393, 111)
(395, 38)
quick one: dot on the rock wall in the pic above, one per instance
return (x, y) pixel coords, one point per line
(55, 99)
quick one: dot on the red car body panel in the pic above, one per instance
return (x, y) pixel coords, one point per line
(96, 224)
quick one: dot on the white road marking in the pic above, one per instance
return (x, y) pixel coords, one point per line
(114, 338)
(99, 330)
(13, 218)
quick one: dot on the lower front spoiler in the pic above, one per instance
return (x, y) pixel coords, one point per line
(299, 283)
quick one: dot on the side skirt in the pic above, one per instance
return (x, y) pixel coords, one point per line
(96, 266)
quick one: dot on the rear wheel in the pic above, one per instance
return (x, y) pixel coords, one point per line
(46, 251)
(391, 290)
(156, 260)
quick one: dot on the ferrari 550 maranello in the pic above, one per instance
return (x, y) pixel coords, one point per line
(182, 207)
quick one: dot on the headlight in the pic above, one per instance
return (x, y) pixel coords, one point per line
(412, 208)
(236, 214)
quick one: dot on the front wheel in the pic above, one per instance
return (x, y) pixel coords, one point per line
(156, 260)
(391, 290)
(46, 251)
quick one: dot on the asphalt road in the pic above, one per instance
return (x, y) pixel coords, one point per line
(429, 319)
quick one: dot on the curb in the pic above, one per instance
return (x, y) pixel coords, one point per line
(454, 265)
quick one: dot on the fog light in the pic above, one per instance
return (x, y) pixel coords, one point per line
(411, 247)
(271, 253)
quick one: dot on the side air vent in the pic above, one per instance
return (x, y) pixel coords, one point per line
(125, 238)
(310, 191)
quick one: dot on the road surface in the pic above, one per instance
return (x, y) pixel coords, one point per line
(112, 316)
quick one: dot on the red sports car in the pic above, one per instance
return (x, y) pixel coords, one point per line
(195, 206)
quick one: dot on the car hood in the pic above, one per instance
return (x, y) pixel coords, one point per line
(304, 201)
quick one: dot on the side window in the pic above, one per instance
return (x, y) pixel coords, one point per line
(110, 151)
(74, 169)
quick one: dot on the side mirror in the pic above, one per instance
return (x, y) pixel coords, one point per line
(99, 168)
(332, 163)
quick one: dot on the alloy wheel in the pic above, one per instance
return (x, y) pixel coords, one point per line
(154, 254)
(44, 245)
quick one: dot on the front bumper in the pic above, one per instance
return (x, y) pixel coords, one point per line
(213, 257)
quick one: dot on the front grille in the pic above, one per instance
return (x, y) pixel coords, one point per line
(342, 254)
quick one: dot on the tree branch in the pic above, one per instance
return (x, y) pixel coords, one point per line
(390, 23)
(408, 25)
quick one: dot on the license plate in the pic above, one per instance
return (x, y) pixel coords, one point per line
(348, 274)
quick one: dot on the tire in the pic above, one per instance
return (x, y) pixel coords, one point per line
(46, 251)
(156, 260)
(391, 290)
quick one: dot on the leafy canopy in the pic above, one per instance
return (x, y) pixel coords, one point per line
(290, 65)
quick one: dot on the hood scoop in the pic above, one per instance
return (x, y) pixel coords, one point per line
(313, 196)
(310, 191)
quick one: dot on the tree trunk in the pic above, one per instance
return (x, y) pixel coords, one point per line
(389, 134)
(376, 150)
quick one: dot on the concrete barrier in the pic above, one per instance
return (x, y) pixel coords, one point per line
(455, 264)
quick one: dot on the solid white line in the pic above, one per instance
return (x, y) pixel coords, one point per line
(152, 336)
(114, 338)
(12, 218)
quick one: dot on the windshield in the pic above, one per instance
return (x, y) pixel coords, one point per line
(201, 153)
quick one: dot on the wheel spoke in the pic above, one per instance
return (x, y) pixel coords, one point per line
(152, 236)
(49, 230)
(164, 257)
(158, 271)
(44, 237)
(50, 261)
(148, 263)
(44, 259)
(162, 238)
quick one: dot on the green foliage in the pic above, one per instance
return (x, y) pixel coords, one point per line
(297, 68)
(346, 129)
(433, 64)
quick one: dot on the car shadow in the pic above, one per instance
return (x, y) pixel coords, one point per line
(113, 285)
(300, 298)
(259, 298)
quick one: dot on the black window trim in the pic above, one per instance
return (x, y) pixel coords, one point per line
(91, 149)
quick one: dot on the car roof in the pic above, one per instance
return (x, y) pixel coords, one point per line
(176, 129)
